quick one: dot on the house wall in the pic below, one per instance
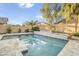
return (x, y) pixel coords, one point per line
(3, 24)
(3, 28)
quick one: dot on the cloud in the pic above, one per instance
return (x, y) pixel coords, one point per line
(26, 5)
(39, 17)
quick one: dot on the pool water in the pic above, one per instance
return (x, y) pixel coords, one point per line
(42, 45)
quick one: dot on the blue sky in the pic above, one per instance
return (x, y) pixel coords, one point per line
(21, 12)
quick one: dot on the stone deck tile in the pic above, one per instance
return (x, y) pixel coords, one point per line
(9, 48)
(71, 49)
(1, 37)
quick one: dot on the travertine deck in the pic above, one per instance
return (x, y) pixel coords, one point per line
(12, 47)
(1, 37)
(54, 35)
(71, 49)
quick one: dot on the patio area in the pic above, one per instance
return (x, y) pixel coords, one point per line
(11, 47)
(14, 47)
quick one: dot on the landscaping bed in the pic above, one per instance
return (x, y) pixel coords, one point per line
(75, 35)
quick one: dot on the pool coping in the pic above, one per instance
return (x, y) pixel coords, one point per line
(54, 35)
(13, 34)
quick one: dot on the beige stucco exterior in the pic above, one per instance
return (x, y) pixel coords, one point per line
(3, 24)
(3, 28)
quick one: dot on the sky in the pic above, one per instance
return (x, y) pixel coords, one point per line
(18, 13)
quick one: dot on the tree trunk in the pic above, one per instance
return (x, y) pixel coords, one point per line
(76, 23)
(63, 30)
(66, 25)
(50, 25)
(55, 27)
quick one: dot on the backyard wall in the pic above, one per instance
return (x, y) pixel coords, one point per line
(23, 28)
(14, 29)
(3, 29)
(69, 28)
(59, 28)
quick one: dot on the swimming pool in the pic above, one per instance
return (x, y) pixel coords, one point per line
(40, 45)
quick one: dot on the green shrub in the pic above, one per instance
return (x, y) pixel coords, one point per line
(36, 29)
(8, 30)
(75, 34)
(19, 30)
(27, 30)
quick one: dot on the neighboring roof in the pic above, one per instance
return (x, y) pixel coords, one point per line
(3, 20)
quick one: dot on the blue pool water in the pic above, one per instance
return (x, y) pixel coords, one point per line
(42, 45)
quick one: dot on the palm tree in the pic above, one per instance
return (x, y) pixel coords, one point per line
(31, 24)
(75, 14)
(67, 10)
(71, 11)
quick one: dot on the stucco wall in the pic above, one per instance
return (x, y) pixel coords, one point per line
(3, 28)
